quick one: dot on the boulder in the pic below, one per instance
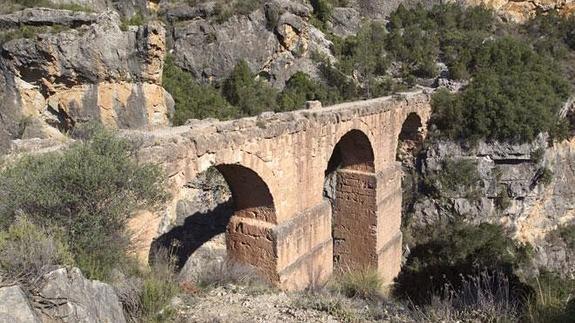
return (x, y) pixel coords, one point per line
(14, 306)
(79, 299)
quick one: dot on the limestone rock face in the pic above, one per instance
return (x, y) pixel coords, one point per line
(95, 72)
(83, 300)
(534, 210)
(46, 17)
(14, 306)
(521, 11)
(276, 41)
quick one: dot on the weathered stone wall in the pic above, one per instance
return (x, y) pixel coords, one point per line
(288, 235)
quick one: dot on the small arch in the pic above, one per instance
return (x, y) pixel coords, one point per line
(350, 187)
(209, 210)
(410, 139)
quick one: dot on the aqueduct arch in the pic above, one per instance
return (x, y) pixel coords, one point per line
(348, 174)
(282, 223)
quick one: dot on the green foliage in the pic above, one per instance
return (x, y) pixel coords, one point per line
(14, 5)
(567, 233)
(417, 37)
(456, 176)
(159, 286)
(301, 88)
(194, 100)
(252, 96)
(28, 32)
(503, 199)
(457, 250)
(545, 176)
(551, 33)
(138, 19)
(332, 304)
(322, 10)
(515, 94)
(363, 283)
(26, 248)
(89, 191)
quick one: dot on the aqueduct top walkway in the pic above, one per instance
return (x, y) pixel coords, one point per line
(276, 166)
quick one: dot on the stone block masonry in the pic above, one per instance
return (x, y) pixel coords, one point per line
(276, 166)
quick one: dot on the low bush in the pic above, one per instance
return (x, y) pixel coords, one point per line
(567, 233)
(301, 88)
(15, 5)
(88, 191)
(243, 90)
(333, 304)
(28, 251)
(194, 100)
(457, 176)
(450, 252)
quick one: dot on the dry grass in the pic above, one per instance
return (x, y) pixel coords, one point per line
(362, 283)
(482, 298)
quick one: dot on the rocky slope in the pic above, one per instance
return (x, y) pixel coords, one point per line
(527, 188)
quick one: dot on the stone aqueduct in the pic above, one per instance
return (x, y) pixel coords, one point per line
(276, 167)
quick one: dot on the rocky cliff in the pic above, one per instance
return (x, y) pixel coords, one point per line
(527, 188)
(80, 67)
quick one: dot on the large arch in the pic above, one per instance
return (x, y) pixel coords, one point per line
(247, 219)
(350, 185)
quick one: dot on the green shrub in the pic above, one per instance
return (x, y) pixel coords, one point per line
(251, 95)
(545, 176)
(26, 249)
(159, 286)
(456, 176)
(299, 89)
(363, 283)
(452, 251)
(217, 274)
(14, 5)
(322, 10)
(503, 199)
(333, 304)
(567, 233)
(137, 19)
(89, 190)
(501, 102)
(194, 100)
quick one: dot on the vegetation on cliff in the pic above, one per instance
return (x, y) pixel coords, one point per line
(71, 207)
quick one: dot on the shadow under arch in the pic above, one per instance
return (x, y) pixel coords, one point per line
(350, 186)
(246, 216)
(410, 138)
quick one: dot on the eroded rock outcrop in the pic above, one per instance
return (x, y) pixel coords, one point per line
(96, 72)
(276, 41)
(14, 306)
(511, 190)
(78, 299)
(521, 11)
